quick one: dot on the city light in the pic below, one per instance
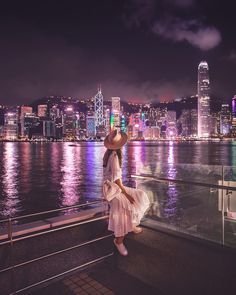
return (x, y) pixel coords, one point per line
(93, 118)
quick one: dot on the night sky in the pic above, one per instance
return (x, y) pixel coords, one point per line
(140, 50)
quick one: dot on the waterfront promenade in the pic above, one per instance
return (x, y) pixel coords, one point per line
(158, 263)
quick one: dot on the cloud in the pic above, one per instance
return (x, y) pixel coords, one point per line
(163, 19)
(202, 37)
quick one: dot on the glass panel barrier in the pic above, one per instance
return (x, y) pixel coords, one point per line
(191, 203)
(229, 206)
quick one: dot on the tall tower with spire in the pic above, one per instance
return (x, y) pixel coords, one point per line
(98, 108)
(203, 100)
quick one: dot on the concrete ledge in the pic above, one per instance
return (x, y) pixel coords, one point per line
(35, 226)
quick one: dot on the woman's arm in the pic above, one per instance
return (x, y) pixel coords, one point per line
(120, 184)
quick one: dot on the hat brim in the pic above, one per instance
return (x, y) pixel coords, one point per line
(118, 144)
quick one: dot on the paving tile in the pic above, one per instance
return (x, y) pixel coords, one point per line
(78, 289)
(83, 275)
(97, 281)
(90, 290)
(99, 286)
(88, 279)
(75, 279)
(93, 283)
(86, 286)
(103, 289)
(82, 283)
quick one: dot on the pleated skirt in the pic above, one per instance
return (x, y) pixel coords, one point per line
(124, 215)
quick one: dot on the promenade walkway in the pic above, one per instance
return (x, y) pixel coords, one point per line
(100, 280)
(158, 263)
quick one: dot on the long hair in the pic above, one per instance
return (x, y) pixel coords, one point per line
(107, 155)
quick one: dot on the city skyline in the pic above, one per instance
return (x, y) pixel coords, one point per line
(138, 50)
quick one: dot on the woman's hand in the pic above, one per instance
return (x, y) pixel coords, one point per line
(119, 183)
(130, 198)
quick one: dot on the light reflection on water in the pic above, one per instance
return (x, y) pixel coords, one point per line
(70, 172)
(9, 199)
(42, 176)
(170, 207)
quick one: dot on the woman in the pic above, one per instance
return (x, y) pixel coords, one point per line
(128, 207)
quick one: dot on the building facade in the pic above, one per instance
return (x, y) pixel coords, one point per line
(42, 110)
(11, 125)
(225, 119)
(115, 112)
(233, 122)
(203, 100)
(90, 126)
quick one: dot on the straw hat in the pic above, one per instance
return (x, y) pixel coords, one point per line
(115, 140)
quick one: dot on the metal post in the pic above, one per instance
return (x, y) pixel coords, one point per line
(223, 208)
(10, 236)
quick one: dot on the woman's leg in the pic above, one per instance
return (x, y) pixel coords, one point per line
(119, 240)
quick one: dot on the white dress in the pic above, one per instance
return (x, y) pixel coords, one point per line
(124, 215)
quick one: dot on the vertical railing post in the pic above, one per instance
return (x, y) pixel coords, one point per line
(223, 208)
(10, 237)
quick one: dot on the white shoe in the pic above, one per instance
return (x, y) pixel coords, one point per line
(121, 248)
(137, 230)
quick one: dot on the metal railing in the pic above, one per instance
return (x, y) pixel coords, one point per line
(225, 205)
(181, 181)
(10, 220)
(11, 240)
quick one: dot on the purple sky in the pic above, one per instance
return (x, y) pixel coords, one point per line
(142, 50)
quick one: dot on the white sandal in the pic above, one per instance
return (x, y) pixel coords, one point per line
(121, 248)
(137, 230)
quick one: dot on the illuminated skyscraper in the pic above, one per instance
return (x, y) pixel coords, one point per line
(98, 109)
(69, 123)
(29, 123)
(42, 110)
(234, 116)
(90, 126)
(49, 129)
(115, 112)
(107, 116)
(225, 119)
(25, 111)
(203, 100)
(188, 120)
(11, 125)
(54, 113)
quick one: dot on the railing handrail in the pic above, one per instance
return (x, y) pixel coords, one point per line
(51, 211)
(181, 181)
(41, 233)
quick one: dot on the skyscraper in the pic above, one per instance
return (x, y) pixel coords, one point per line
(115, 110)
(11, 125)
(69, 123)
(90, 126)
(234, 116)
(203, 100)
(225, 119)
(25, 111)
(98, 109)
(42, 110)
